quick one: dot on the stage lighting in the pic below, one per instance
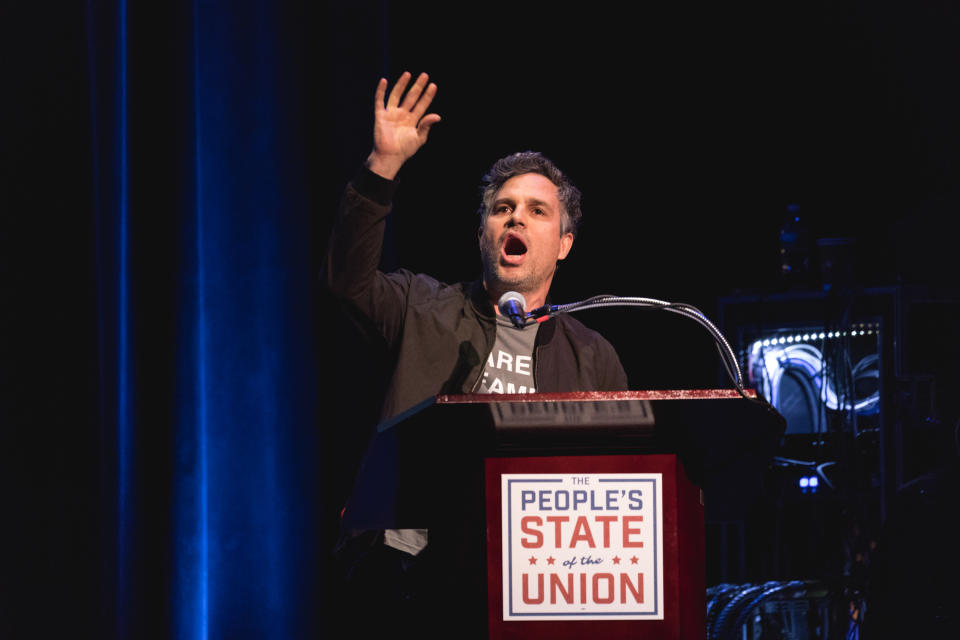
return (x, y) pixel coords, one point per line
(806, 371)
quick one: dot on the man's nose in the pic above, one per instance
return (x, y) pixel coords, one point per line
(518, 216)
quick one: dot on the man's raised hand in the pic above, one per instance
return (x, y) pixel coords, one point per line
(400, 127)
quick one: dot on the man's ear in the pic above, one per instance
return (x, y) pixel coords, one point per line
(566, 242)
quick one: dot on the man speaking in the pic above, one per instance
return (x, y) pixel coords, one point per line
(452, 338)
(465, 337)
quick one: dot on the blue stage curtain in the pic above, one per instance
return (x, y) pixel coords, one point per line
(206, 307)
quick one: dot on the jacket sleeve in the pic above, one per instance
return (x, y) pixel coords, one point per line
(350, 270)
(615, 378)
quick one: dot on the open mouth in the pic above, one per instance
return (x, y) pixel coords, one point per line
(514, 246)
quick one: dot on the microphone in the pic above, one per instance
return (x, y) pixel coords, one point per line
(512, 305)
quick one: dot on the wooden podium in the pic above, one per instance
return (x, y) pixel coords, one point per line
(567, 515)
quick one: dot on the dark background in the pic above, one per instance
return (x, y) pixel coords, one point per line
(689, 128)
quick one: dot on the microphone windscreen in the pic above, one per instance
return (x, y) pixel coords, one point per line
(511, 296)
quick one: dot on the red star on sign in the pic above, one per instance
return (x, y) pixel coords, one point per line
(533, 560)
(616, 559)
(551, 560)
(634, 560)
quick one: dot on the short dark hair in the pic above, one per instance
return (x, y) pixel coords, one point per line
(532, 162)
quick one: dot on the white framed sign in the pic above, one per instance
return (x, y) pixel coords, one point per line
(582, 546)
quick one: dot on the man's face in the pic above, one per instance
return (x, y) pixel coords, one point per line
(522, 239)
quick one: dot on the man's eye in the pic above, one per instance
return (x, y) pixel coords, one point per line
(539, 211)
(502, 209)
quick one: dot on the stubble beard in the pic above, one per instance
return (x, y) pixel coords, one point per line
(500, 279)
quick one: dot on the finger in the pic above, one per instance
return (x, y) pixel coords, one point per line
(379, 95)
(424, 102)
(423, 129)
(414, 94)
(398, 89)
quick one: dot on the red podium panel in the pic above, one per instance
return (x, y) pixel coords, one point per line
(683, 573)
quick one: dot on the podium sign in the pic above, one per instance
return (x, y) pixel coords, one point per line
(582, 546)
(590, 546)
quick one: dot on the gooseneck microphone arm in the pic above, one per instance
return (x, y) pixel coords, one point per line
(727, 356)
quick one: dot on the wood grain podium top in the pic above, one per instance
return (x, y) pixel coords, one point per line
(580, 396)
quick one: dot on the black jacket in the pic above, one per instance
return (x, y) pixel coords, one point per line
(441, 334)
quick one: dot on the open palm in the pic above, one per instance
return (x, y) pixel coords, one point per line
(400, 126)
